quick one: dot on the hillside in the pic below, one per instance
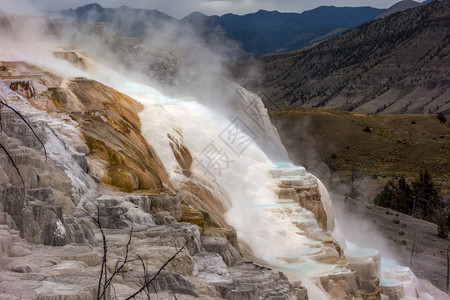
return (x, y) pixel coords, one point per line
(398, 7)
(398, 64)
(400, 144)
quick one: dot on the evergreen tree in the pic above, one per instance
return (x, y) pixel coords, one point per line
(385, 198)
(403, 197)
(426, 197)
(420, 200)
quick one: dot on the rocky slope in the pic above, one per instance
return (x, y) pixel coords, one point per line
(91, 137)
(50, 236)
(397, 64)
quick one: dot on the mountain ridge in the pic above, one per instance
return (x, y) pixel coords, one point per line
(257, 33)
(265, 31)
(398, 7)
(124, 20)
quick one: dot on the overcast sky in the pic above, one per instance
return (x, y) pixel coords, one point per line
(181, 8)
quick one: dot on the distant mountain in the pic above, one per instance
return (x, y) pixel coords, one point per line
(258, 33)
(398, 64)
(271, 31)
(123, 20)
(398, 7)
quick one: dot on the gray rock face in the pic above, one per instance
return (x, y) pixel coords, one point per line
(41, 224)
(166, 202)
(13, 202)
(38, 212)
(79, 232)
(221, 246)
(120, 210)
(51, 249)
(246, 280)
(170, 282)
(175, 235)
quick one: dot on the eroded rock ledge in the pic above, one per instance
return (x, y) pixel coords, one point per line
(97, 163)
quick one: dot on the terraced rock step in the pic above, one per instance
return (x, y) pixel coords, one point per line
(287, 169)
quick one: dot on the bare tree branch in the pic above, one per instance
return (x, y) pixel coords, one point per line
(14, 165)
(119, 266)
(3, 103)
(28, 124)
(104, 282)
(150, 282)
(144, 266)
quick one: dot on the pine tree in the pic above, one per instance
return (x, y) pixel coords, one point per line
(426, 197)
(420, 200)
(385, 198)
(403, 197)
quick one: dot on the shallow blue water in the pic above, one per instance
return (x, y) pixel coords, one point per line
(389, 282)
(284, 165)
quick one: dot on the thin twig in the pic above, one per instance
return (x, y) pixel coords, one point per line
(105, 250)
(28, 124)
(147, 290)
(118, 268)
(14, 165)
(150, 282)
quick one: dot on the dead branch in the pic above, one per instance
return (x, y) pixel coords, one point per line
(150, 282)
(104, 282)
(14, 165)
(28, 124)
(3, 103)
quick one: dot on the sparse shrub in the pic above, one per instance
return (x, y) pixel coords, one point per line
(404, 242)
(413, 122)
(441, 117)
(396, 220)
(374, 176)
(401, 232)
(367, 129)
(333, 156)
